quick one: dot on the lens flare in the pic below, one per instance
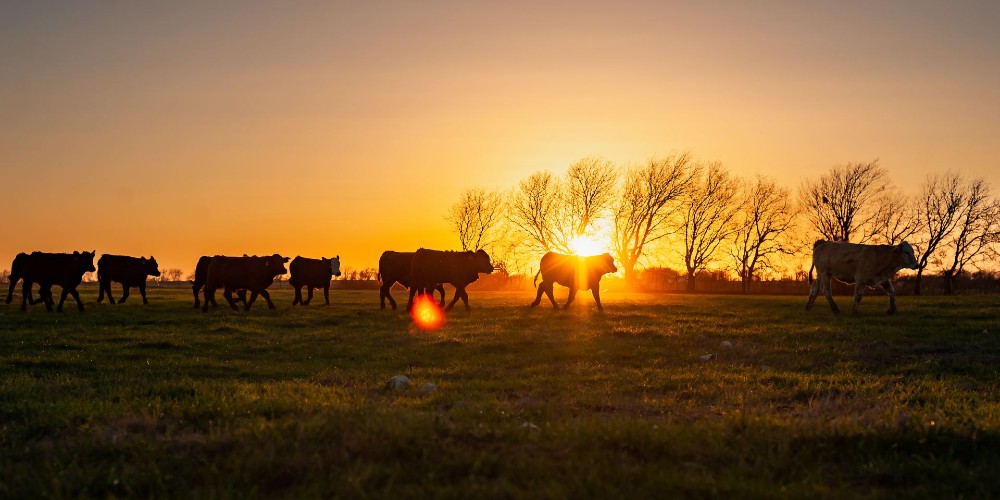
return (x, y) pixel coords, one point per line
(426, 313)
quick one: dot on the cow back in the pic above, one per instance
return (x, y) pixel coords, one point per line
(430, 267)
(62, 269)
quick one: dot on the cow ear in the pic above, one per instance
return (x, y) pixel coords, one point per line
(337, 257)
(285, 259)
(142, 259)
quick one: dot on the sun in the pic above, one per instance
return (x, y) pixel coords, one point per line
(586, 245)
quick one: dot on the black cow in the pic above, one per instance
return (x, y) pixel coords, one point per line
(47, 269)
(431, 267)
(575, 272)
(129, 271)
(250, 273)
(201, 274)
(16, 272)
(312, 273)
(394, 267)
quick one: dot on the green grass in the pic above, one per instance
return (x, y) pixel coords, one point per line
(165, 401)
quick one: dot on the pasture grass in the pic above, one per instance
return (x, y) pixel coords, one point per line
(165, 401)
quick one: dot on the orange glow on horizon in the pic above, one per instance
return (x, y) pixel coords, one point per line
(426, 313)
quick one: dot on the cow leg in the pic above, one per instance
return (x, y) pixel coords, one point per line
(458, 295)
(892, 297)
(76, 295)
(309, 295)
(829, 295)
(813, 291)
(439, 288)
(100, 292)
(25, 293)
(550, 291)
(197, 302)
(326, 294)
(142, 291)
(538, 296)
(572, 296)
(409, 303)
(267, 296)
(253, 298)
(62, 299)
(298, 295)
(383, 293)
(465, 300)
(10, 290)
(597, 296)
(859, 290)
(126, 290)
(209, 298)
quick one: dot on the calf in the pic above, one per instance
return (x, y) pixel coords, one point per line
(575, 272)
(312, 273)
(129, 271)
(394, 267)
(863, 265)
(251, 273)
(429, 268)
(62, 269)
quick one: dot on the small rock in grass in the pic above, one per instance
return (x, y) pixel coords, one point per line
(428, 388)
(530, 426)
(985, 332)
(399, 383)
(707, 357)
(726, 344)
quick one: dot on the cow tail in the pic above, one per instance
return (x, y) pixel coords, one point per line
(534, 282)
(813, 266)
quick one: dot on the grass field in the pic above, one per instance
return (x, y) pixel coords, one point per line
(164, 401)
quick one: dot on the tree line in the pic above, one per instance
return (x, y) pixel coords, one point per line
(699, 216)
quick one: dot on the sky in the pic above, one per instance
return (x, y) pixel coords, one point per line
(181, 129)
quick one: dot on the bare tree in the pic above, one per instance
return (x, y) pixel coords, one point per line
(643, 212)
(896, 219)
(977, 228)
(534, 207)
(4, 277)
(709, 210)
(588, 191)
(474, 217)
(765, 215)
(943, 198)
(170, 274)
(843, 203)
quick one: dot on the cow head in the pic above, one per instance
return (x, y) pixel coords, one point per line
(601, 264)
(275, 264)
(84, 261)
(481, 262)
(150, 266)
(334, 265)
(905, 257)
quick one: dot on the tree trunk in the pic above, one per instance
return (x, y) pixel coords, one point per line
(916, 282)
(630, 277)
(745, 285)
(690, 283)
(948, 278)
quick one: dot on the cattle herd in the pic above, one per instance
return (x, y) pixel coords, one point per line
(423, 271)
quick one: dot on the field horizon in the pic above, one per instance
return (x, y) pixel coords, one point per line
(163, 400)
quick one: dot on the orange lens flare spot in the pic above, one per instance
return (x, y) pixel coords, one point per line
(426, 313)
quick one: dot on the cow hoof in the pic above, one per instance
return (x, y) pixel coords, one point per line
(890, 312)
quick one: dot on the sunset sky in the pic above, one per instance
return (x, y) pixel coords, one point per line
(180, 129)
